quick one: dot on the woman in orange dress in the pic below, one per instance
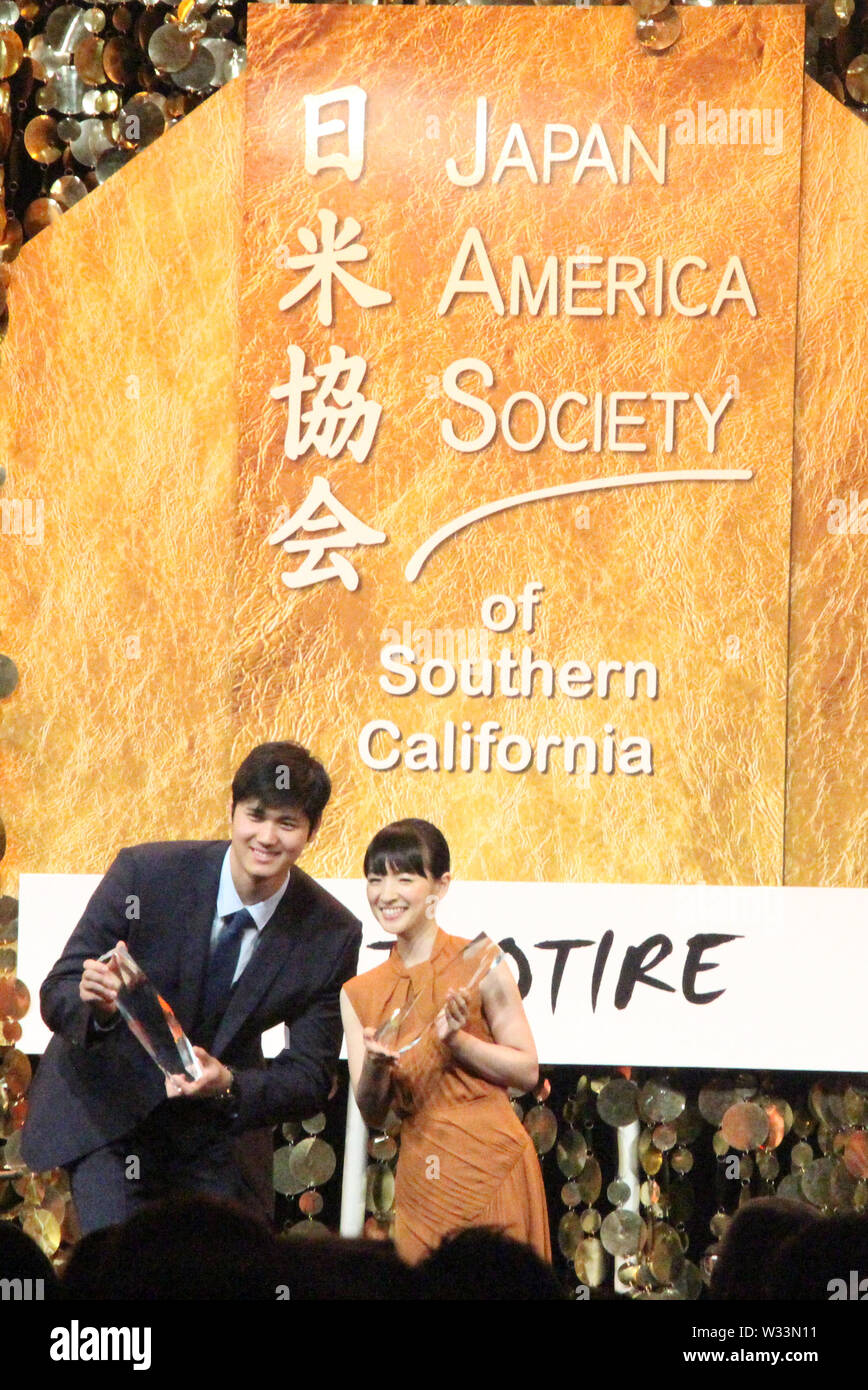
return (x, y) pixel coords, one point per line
(465, 1160)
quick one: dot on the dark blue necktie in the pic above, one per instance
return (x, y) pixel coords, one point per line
(222, 967)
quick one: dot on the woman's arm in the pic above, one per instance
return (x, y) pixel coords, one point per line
(510, 1060)
(370, 1067)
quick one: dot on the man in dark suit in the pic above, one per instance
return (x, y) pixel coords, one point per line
(236, 938)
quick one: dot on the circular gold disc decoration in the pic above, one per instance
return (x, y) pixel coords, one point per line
(660, 1102)
(622, 1232)
(768, 1166)
(855, 1154)
(382, 1147)
(88, 60)
(665, 1137)
(92, 142)
(16, 1072)
(14, 998)
(590, 1181)
(64, 92)
(199, 74)
(314, 1230)
(855, 1106)
(569, 1234)
(68, 190)
(41, 140)
(652, 1161)
(827, 1103)
(590, 1262)
(842, 1187)
(572, 1150)
(649, 1194)
(11, 52)
(780, 1119)
(380, 1189)
(283, 1179)
(169, 49)
(64, 27)
(141, 121)
(44, 61)
(222, 24)
(590, 1221)
(312, 1162)
(825, 21)
(817, 1182)
(660, 31)
(681, 1160)
(667, 1256)
(310, 1203)
(542, 1126)
(618, 1101)
(121, 60)
(745, 1126)
(11, 239)
(228, 63)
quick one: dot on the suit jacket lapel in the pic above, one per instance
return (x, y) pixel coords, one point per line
(278, 941)
(198, 908)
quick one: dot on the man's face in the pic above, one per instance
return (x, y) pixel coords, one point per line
(266, 842)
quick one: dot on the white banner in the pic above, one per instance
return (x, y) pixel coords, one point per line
(614, 974)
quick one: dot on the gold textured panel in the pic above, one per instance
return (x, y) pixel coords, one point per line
(827, 810)
(691, 577)
(99, 749)
(117, 412)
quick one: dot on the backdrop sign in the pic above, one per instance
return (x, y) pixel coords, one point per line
(517, 327)
(613, 974)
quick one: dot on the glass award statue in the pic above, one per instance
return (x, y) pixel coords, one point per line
(404, 1028)
(149, 1017)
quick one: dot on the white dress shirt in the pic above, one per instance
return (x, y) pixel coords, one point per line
(228, 902)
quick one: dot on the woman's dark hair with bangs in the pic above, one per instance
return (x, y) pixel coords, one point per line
(408, 847)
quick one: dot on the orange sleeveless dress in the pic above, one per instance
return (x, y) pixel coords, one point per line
(466, 1159)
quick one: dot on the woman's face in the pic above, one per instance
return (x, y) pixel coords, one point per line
(402, 902)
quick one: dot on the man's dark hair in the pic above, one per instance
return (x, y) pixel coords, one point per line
(283, 774)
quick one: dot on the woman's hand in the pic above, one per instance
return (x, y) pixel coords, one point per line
(376, 1055)
(371, 1066)
(454, 1015)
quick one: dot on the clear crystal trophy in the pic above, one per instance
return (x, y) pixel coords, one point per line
(149, 1018)
(404, 1027)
